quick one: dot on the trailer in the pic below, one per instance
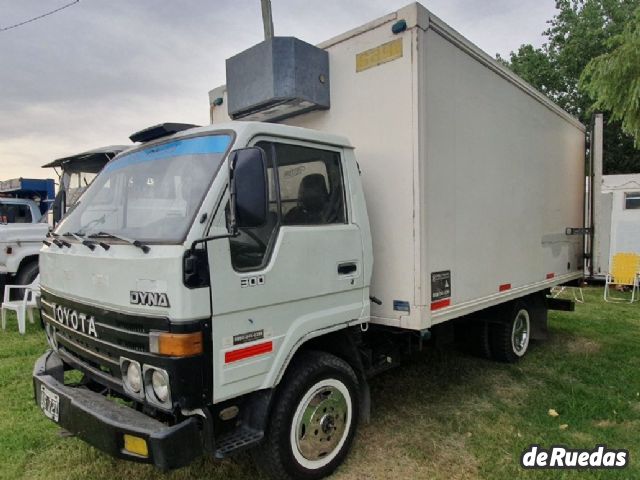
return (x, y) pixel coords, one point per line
(237, 285)
(619, 221)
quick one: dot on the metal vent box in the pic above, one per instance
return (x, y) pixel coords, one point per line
(276, 79)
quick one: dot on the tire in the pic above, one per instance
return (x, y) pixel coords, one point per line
(479, 342)
(510, 338)
(26, 275)
(314, 419)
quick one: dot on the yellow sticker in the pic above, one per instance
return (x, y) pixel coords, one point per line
(377, 56)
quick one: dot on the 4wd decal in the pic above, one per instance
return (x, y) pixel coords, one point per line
(150, 299)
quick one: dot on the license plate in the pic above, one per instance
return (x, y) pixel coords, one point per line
(50, 403)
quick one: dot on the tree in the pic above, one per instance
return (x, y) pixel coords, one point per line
(613, 79)
(582, 30)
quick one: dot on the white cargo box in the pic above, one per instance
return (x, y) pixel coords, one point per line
(471, 176)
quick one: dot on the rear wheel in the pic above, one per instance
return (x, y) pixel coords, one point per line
(313, 420)
(510, 338)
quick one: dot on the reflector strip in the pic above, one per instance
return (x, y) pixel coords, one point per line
(550, 276)
(247, 352)
(441, 304)
(504, 287)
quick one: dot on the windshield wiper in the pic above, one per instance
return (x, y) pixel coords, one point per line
(135, 243)
(59, 242)
(90, 244)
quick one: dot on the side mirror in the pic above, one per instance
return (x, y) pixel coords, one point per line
(249, 194)
(58, 207)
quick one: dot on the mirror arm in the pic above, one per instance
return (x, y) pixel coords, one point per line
(233, 234)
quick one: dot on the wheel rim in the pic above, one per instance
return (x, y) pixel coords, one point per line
(321, 423)
(520, 333)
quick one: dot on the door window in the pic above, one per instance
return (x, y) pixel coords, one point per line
(311, 185)
(306, 188)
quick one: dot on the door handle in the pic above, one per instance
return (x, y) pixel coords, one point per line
(347, 268)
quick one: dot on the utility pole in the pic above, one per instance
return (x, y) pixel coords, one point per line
(267, 19)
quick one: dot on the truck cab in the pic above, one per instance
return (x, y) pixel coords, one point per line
(21, 235)
(198, 265)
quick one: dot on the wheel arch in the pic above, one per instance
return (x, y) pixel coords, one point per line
(28, 259)
(343, 344)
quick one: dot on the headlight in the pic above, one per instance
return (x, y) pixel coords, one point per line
(131, 376)
(157, 387)
(160, 386)
(134, 377)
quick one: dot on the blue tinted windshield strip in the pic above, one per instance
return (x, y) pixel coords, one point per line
(187, 146)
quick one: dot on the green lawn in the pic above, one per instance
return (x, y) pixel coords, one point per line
(445, 415)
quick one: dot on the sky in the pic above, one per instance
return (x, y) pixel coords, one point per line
(92, 74)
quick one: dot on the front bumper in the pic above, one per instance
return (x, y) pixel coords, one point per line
(103, 423)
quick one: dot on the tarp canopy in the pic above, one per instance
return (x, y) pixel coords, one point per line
(91, 161)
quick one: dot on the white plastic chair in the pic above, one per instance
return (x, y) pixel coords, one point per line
(23, 307)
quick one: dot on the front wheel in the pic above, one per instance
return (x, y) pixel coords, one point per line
(313, 420)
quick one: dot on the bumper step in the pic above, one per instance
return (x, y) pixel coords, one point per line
(240, 439)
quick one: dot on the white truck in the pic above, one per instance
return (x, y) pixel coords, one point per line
(237, 285)
(24, 203)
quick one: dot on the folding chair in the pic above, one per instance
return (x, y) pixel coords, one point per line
(22, 307)
(625, 272)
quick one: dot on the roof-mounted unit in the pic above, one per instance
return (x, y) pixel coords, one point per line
(278, 78)
(159, 131)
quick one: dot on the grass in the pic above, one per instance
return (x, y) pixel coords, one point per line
(445, 415)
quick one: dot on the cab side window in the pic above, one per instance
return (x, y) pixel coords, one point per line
(311, 186)
(305, 188)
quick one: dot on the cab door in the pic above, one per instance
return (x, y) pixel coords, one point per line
(300, 273)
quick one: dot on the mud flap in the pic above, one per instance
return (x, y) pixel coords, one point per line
(539, 316)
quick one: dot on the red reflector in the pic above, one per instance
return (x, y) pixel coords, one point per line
(440, 304)
(504, 287)
(550, 276)
(247, 352)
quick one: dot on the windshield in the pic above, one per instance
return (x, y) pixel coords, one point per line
(151, 194)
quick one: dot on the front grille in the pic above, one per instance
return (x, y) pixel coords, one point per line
(93, 339)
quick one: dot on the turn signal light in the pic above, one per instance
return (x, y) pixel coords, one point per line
(176, 344)
(136, 445)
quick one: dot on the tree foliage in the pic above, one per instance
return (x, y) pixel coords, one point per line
(613, 79)
(580, 32)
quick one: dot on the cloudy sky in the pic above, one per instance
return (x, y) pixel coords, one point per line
(93, 73)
